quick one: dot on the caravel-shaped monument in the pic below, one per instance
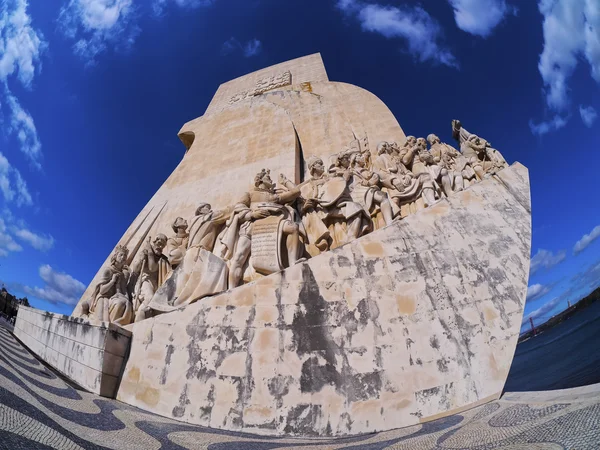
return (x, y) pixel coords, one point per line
(307, 269)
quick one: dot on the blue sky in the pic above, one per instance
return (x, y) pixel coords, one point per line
(93, 93)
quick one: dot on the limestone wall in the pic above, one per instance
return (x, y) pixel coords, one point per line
(91, 356)
(417, 320)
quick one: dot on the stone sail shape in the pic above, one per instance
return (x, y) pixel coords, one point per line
(412, 322)
(277, 128)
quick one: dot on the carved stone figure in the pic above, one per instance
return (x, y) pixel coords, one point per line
(148, 271)
(325, 200)
(416, 157)
(110, 300)
(262, 224)
(177, 244)
(494, 155)
(206, 226)
(474, 150)
(392, 173)
(201, 273)
(365, 189)
(481, 156)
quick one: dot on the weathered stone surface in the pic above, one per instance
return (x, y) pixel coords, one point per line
(414, 321)
(91, 355)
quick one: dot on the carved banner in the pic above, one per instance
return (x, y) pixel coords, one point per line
(265, 245)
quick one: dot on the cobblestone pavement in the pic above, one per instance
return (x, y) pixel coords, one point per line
(40, 410)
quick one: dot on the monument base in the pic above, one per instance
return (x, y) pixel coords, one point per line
(415, 321)
(92, 356)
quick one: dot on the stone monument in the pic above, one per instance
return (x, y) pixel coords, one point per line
(307, 269)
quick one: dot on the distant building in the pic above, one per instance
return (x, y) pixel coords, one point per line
(9, 304)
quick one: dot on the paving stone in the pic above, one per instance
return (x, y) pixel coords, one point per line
(38, 410)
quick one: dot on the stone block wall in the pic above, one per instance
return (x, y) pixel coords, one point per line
(91, 355)
(412, 322)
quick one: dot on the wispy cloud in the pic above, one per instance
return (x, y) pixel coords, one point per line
(571, 29)
(542, 312)
(39, 242)
(480, 17)
(536, 291)
(59, 287)
(159, 6)
(20, 45)
(7, 243)
(420, 31)
(251, 48)
(544, 127)
(588, 278)
(546, 259)
(17, 229)
(588, 115)
(96, 25)
(12, 186)
(23, 127)
(586, 240)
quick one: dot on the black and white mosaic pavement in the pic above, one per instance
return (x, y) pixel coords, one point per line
(39, 410)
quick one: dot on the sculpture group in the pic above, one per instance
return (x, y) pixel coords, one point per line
(276, 225)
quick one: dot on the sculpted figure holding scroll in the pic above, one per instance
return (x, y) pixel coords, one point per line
(262, 225)
(110, 300)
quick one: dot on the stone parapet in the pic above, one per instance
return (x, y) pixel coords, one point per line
(90, 355)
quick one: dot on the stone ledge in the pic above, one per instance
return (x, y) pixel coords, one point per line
(96, 368)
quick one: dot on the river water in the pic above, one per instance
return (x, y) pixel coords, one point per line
(567, 355)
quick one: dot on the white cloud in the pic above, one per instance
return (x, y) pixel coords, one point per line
(95, 25)
(480, 17)
(588, 115)
(7, 243)
(39, 242)
(542, 312)
(546, 259)
(20, 45)
(553, 124)
(251, 48)
(22, 126)
(571, 31)
(12, 186)
(413, 24)
(159, 6)
(536, 291)
(586, 240)
(60, 287)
